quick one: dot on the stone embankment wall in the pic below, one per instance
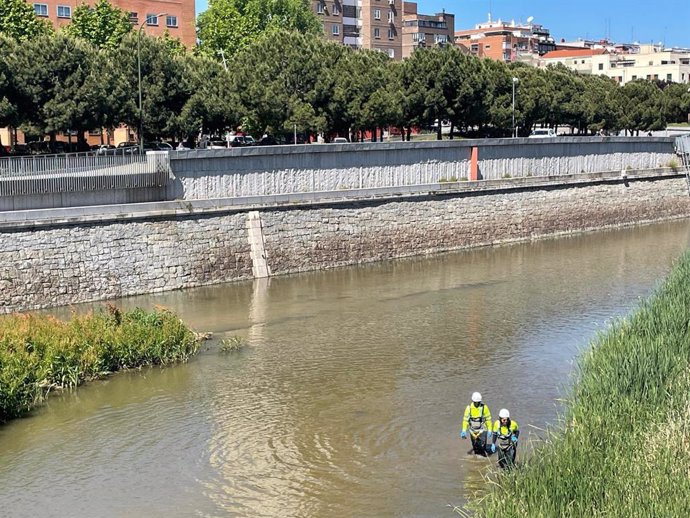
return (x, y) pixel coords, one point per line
(83, 259)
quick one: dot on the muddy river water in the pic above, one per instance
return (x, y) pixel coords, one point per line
(347, 399)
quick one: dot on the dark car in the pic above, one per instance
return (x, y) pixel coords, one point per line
(269, 140)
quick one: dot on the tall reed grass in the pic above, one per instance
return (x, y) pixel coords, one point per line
(623, 446)
(39, 353)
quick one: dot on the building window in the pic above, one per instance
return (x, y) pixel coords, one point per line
(64, 11)
(335, 29)
(440, 39)
(391, 16)
(171, 21)
(601, 66)
(669, 77)
(391, 34)
(634, 77)
(377, 33)
(474, 48)
(377, 14)
(391, 53)
(487, 47)
(133, 17)
(151, 19)
(319, 8)
(336, 10)
(418, 36)
(41, 9)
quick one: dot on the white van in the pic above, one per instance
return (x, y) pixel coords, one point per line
(543, 133)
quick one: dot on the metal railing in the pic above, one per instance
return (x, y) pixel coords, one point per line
(683, 151)
(68, 163)
(80, 172)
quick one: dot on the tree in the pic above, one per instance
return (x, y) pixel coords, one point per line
(103, 24)
(65, 86)
(677, 102)
(164, 88)
(229, 26)
(425, 81)
(18, 20)
(213, 105)
(277, 79)
(644, 106)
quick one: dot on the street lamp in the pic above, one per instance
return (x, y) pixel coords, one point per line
(515, 81)
(141, 111)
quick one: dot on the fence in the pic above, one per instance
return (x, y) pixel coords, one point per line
(78, 172)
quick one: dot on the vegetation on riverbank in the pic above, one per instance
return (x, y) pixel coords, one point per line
(622, 448)
(39, 353)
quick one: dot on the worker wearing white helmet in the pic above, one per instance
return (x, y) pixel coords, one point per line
(478, 419)
(506, 433)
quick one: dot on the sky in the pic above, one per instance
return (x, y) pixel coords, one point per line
(622, 21)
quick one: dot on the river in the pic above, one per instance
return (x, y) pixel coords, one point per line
(348, 397)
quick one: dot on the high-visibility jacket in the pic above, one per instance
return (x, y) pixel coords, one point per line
(503, 434)
(478, 418)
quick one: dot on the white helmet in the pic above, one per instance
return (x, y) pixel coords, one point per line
(476, 397)
(504, 414)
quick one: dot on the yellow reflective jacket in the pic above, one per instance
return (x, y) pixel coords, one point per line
(503, 434)
(477, 418)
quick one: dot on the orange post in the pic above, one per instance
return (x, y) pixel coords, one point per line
(474, 164)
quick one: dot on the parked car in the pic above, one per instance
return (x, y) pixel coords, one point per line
(340, 140)
(217, 144)
(268, 140)
(249, 141)
(543, 133)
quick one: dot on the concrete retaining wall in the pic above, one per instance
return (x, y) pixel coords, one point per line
(260, 171)
(77, 259)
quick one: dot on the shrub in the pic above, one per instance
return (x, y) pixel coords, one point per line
(39, 353)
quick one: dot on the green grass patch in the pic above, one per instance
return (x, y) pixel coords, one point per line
(39, 353)
(622, 447)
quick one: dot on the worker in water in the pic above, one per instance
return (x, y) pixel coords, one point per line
(505, 433)
(478, 419)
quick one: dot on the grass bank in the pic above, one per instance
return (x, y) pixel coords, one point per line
(39, 353)
(623, 448)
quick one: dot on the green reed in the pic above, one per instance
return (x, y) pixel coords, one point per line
(39, 353)
(622, 448)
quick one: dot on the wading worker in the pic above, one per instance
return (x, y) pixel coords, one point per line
(506, 434)
(478, 419)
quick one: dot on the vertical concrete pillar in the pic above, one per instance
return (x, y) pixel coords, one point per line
(474, 164)
(255, 235)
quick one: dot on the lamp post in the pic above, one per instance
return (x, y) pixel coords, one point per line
(515, 81)
(141, 111)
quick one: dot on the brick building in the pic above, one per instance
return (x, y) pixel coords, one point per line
(424, 30)
(178, 15)
(503, 41)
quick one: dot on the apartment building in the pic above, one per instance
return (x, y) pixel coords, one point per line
(177, 17)
(363, 24)
(506, 41)
(652, 62)
(424, 30)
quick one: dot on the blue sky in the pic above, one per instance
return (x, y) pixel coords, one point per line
(666, 21)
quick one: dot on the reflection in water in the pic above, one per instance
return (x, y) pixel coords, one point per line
(348, 399)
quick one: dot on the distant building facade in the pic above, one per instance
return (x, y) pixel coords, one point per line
(390, 26)
(506, 41)
(363, 24)
(651, 62)
(178, 16)
(425, 30)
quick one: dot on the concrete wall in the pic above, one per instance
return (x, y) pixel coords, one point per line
(205, 174)
(75, 259)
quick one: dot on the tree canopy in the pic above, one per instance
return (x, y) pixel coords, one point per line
(229, 26)
(18, 20)
(103, 24)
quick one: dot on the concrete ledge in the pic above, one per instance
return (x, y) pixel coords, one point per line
(27, 219)
(400, 145)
